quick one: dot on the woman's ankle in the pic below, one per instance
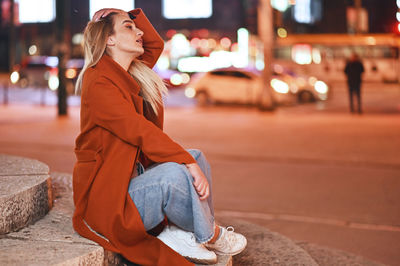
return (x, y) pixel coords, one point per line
(217, 231)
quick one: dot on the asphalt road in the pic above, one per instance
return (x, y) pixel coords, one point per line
(312, 172)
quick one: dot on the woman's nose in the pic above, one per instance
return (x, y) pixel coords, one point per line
(139, 33)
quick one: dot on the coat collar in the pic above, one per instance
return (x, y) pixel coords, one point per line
(117, 74)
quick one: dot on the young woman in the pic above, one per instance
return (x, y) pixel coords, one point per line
(130, 178)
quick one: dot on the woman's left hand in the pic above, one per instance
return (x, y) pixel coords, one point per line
(200, 182)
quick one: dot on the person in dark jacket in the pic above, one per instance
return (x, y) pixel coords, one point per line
(353, 70)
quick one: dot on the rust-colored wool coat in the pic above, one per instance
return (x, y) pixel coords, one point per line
(115, 128)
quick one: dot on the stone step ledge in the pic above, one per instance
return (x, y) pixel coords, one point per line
(52, 240)
(25, 192)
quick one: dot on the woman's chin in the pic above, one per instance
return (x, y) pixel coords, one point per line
(139, 51)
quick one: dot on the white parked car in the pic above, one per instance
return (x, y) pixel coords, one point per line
(232, 85)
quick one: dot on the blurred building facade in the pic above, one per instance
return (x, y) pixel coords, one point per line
(299, 16)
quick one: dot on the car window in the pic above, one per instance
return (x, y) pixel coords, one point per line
(36, 65)
(235, 74)
(240, 75)
(219, 73)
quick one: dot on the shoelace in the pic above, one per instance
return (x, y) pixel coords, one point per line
(229, 238)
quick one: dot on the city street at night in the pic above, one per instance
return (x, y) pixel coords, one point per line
(312, 172)
(295, 105)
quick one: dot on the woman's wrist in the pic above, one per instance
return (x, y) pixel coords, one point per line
(190, 165)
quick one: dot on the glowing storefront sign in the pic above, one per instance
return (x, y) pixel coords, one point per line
(36, 11)
(95, 5)
(179, 9)
(302, 11)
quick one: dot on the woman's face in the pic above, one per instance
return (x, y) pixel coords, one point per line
(126, 37)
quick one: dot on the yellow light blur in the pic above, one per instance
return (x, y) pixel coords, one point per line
(14, 77)
(371, 40)
(185, 78)
(301, 82)
(312, 80)
(32, 49)
(316, 56)
(176, 79)
(70, 73)
(190, 92)
(53, 83)
(321, 87)
(203, 43)
(279, 86)
(225, 42)
(212, 43)
(77, 38)
(294, 88)
(195, 42)
(282, 33)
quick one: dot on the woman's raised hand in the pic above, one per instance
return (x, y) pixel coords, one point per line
(104, 12)
(200, 182)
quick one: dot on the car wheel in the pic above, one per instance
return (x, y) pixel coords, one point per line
(305, 97)
(202, 98)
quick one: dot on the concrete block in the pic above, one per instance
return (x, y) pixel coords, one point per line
(13, 165)
(24, 199)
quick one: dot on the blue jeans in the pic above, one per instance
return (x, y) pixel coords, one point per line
(166, 189)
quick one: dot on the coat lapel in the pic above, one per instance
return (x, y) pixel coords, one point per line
(122, 79)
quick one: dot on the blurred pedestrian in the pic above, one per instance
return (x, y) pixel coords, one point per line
(353, 70)
(130, 178)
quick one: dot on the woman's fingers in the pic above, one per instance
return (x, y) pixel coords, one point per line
(104, 13)
(205, 194)
(203, 190)
(200, 182)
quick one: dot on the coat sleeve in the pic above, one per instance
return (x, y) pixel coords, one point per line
(153, 44)
(113, 112)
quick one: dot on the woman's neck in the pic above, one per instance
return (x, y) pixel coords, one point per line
(123, 60)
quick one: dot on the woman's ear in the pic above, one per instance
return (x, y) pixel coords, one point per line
(110, 41)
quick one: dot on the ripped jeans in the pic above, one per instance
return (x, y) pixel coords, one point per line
(166, 189)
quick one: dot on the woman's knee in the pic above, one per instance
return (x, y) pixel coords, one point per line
(176, 174)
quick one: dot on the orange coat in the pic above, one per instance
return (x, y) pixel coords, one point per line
(115, 128)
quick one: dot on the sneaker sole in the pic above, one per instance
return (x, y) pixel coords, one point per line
(229, 254)
(202, 261)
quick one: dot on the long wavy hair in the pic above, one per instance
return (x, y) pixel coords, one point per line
(95, 43)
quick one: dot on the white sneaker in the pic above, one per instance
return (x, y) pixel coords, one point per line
(228, 243)
(184, 243)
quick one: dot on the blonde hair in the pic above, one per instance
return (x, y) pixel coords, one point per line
(95, 43)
